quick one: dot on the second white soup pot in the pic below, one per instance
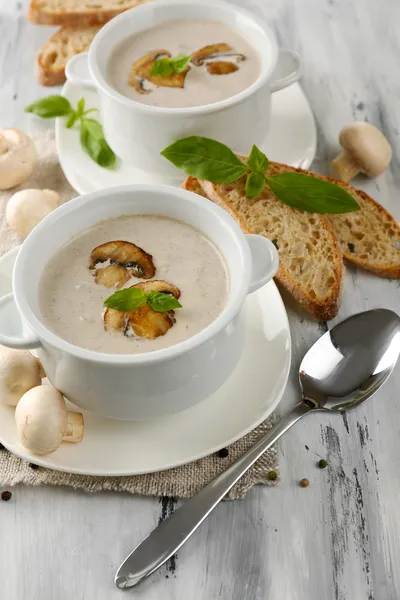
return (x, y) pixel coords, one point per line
(152, 384)
(138, 132)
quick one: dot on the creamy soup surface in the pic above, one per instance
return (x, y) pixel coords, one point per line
(72, 303)
(184, 37)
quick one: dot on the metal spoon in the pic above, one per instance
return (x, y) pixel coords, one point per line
(347, 365)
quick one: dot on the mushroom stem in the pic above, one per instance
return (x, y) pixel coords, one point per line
(3, 144)
(346, 166)
(74, 429)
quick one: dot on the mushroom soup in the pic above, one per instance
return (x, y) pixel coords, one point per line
(158, 263)
(183, 63)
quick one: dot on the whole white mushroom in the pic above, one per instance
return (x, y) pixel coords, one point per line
(17, 157)
(43, 421)
(26, 208)
(19, 372)
(365, 150)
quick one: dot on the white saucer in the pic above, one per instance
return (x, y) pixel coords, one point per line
(112, 447)
(292, 140)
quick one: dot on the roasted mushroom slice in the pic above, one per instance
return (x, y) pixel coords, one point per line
(159, 285)
(115, 320)
(148, 323)
(134, 259)
(215, 52)
(112, 276)
(221, 67)
(139, 83)
(141, 70)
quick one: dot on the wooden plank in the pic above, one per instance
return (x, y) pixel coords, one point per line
(336, 539)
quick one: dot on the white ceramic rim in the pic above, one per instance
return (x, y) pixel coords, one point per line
(226, 316)
(262, 80)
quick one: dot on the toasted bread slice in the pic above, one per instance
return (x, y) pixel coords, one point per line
(77, 13)
(311, 266)
(56, 52)
(368, 238)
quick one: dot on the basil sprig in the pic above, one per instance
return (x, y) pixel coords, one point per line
(167, 66)
(133, 298)
(208, 159)
(91, 131)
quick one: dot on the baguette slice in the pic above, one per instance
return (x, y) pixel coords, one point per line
(311, 266)
(368, 238)
(56, 52)
(77, 13)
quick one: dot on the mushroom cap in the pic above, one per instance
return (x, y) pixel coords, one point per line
(368, 147)
(26, 208)
(17, 157)
(19, 372)
(41, 418)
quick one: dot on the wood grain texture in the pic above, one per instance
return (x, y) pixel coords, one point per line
(336, 539)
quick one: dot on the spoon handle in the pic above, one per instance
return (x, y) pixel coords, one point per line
(170, 535)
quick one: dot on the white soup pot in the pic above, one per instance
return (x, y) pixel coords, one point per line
(138, 132)
(152, 384)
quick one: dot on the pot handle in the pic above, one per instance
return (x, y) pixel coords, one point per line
(265, 261)
(14, 333)
(77, 71)
(287, 71)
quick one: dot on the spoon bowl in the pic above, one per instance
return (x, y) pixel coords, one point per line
(349, 363)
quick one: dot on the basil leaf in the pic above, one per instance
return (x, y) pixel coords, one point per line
(257, 160)
(206, 159)
(72, 119)
(80, 107)
(126, 300)
(94, 143)
(50, 107)
(310, 194)
(162, 302)
(162, 67)
(254, 185)
(180, 62)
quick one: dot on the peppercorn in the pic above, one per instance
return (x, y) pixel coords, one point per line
(304, 482)
(6, 496)
(223, 453)
(323, 463)
(272, 475)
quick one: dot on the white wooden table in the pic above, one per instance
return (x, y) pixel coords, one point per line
(339, 538)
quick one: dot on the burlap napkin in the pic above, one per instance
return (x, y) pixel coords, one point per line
(180, 482)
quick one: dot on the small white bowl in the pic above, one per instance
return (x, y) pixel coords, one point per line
(138, 132)
(153, 384)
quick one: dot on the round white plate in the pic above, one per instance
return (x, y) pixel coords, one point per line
(292, 139)
(112, 447)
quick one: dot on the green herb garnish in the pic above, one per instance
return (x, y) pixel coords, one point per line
(91, 131)
(165, 67)
(50, 107)
(133, 298)
(208, 159)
